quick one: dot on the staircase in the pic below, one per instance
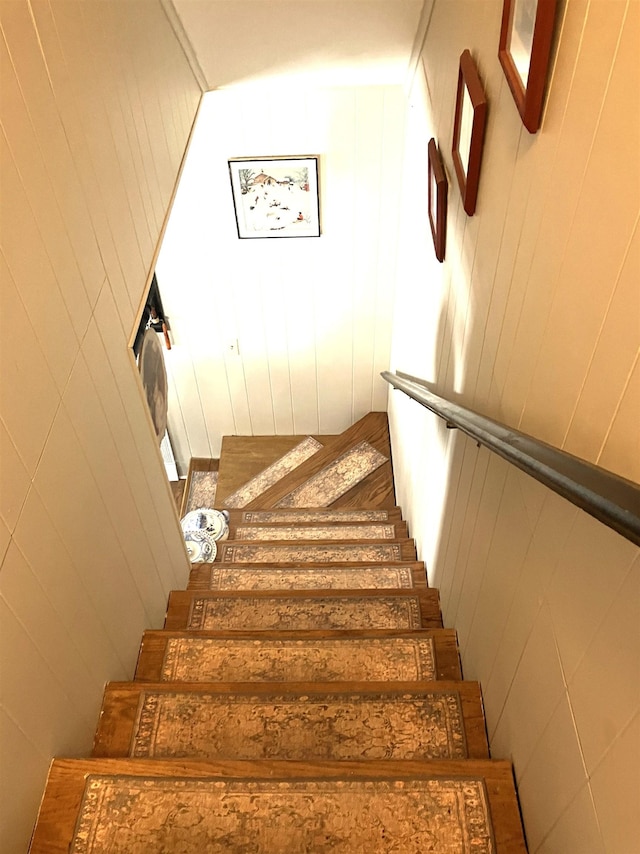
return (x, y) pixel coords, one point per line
(303, 695)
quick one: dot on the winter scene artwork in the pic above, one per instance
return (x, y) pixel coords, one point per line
(276, 196)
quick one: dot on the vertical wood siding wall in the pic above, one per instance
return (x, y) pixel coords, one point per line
(312, 316)
(97, 103)
(534, 319)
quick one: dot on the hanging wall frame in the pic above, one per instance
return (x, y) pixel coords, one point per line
(468, 131)
(524, 51)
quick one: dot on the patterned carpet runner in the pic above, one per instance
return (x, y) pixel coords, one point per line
(336, 479)
(313, 726)
(396, 659)
(287, 463)
(302, 696)
(310, 578)
(202, 490)
(320, 516)
(313, 532)
(321, 553)
(300, 613)
(333, 816)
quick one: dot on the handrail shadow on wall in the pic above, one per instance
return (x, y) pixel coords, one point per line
(611, 499)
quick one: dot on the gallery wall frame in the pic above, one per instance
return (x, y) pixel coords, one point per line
(526, 36)
(276, 196)
(437, 200)
(468, 131)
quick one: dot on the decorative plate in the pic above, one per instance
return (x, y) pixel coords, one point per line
(204, 519)
(201, 547)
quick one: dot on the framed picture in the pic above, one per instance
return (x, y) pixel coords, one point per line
(437, 199)
(468, 131)
(276, 196)
(525, 47)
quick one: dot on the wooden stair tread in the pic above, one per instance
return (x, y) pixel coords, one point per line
(260, 576)
(364, 799)
(303, 695)
(344, 531)
(293, 721)
(373, 428)
(314, 551)
(300, 609)
(315, 515)
(357, 655)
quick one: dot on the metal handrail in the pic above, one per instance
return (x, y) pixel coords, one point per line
(611, 499)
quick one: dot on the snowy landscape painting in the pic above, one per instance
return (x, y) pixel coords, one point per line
(276, 196)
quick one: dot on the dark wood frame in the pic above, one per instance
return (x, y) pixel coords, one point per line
(437, 176)
(469, 177)
(529, 99)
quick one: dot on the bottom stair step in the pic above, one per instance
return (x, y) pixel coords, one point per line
(296, 657)
(133, 806)
(303, 722)
(302, 610)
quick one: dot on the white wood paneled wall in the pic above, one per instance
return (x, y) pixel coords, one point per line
(534, 319)
(312, 316)
(96, 106)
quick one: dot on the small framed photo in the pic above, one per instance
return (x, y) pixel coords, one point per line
(525, 47)
(437, 200)
(276, 196)
(468, 131)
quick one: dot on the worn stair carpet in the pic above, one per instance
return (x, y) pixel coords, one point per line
(219, 576)
(290, 533)
(313, 552)
(346, 656)
(294, 722)
(202, 491)
(302, 610)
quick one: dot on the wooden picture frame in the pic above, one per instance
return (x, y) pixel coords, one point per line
(437, 200)
(468, 131)
(275, 196)
(526, 36)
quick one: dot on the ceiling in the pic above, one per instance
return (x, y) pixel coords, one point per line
(318, 42)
